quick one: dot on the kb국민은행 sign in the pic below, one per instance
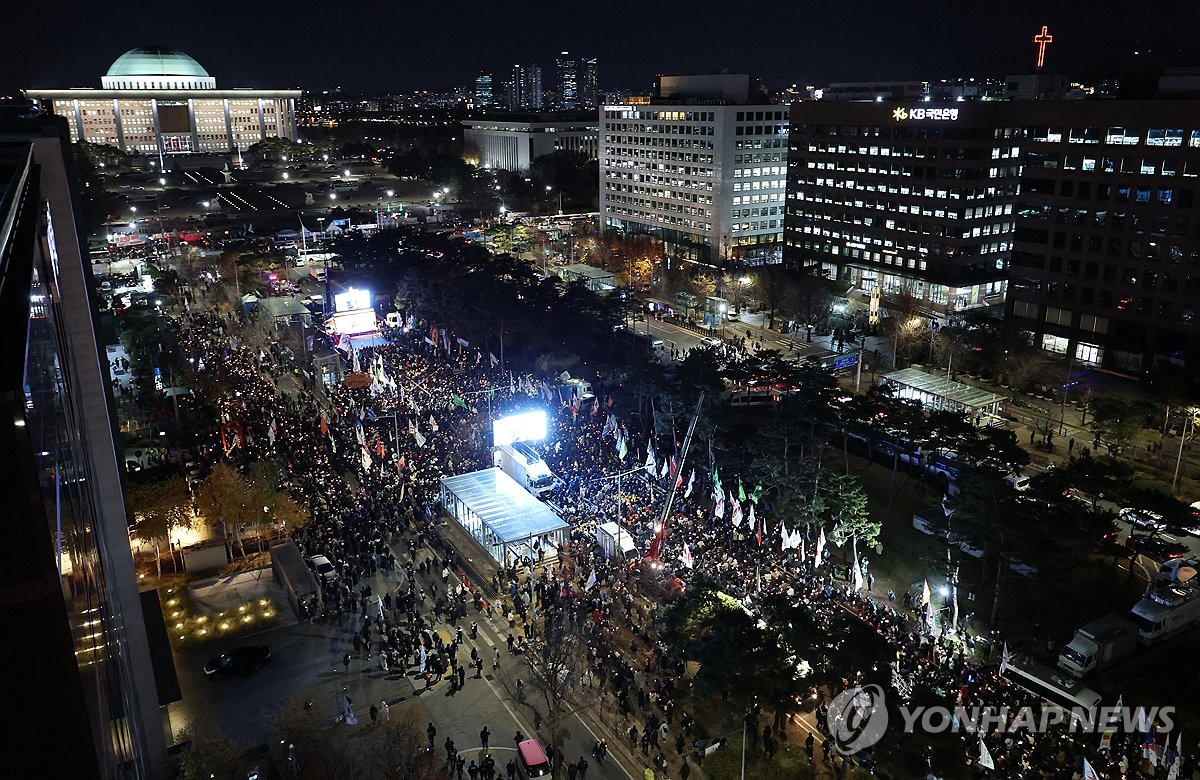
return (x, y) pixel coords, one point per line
(918, 114)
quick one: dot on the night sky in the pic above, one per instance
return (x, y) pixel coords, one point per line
(400, 46)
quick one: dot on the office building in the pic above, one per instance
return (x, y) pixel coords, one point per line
(1106, 256)
(527, 85)
(86, 702)
(589, 93)
(483, 91)
(158, 101)
(701, 167)
(568, 81)
(909, 197)
(514, 141)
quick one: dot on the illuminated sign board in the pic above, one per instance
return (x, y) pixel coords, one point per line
(530, 426)
(352, 300)
(354, 323)
(919, 114)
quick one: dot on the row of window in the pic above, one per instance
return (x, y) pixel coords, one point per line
(1115, 301)
(1115, 136)
(1145, 166)
(768, 197)
(637, 215)
(762, 224)
(864, 241)
(662, 129)
(761, 143)
(774, 170)
(768, 184)
(668, 116)
(916, 152)
(633, 142)
(1103, 219)
(1153, 251)
(956, 193)
(907, 171)
(767, 157)
(659, 192)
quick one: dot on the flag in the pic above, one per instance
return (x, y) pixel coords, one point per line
(985, 758)
(357, 366)
(420, 437)
(1088, 772)
(591, 581)
(359, 433)
(622, 446)
(719, 504)
(741, 491)
(753, 520)
(678, 475)
(324, 427)
(663, 471)
(457, 400)
(820, 548)
(691, 484)
(495, 362)
(650, 459)
(366, 458)
(785, 538)
(609, 425)
(1004, 659)
(687, 556)
(348, 712)
(271, 432)
(758, 532)
(716, 481)
(925, 596)
(400, 464)
(433, 426)
(595, 406)
(736, 518)
(756, 494)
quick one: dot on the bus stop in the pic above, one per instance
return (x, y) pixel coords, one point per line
(937, 392)
(503, 517)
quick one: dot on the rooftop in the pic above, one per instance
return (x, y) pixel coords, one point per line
(156, 61)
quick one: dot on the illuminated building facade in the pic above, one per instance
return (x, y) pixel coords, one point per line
(515, 141)
(1106, 258)
(702, 167)
(909, 197)
(157, 101)
(90, 702)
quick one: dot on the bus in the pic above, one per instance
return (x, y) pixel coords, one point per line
(1053, 686)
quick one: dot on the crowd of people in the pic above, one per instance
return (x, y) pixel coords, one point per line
(367, 462)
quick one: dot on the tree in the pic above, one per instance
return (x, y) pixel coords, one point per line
(558, 663)
(851, 520)
(209, 753)
(228, 497)
(155, 509)
(1115, 421)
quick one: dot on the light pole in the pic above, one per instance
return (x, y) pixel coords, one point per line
(1190, 418)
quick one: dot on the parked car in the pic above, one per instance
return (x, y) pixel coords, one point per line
(322, 567)
(1143, 518)
(1156, 548)
(239, 660)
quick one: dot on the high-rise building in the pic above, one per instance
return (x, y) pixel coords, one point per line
(568, 81)
(527, 84)
(89, 702)
(588, 89)
(702, 167)
(160, 101)
(483, 91)
(1106, 257)
(1081, 218)
(910, 197)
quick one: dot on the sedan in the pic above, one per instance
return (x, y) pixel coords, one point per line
(1143, 518)
(1155, 548)
(239, 660)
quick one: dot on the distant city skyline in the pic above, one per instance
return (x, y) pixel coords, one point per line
(251, 45)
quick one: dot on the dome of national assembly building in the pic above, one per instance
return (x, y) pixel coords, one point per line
(157, 67)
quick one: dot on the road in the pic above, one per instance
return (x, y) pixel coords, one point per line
(307, 666)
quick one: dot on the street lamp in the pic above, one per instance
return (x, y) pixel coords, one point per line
(346, 172)
(390, 193)
(162, 181)
(285, 175)
(333, 196)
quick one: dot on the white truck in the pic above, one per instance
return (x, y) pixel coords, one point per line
(616, 542)
(519, 461)
(1166, 611)
(1098, 645)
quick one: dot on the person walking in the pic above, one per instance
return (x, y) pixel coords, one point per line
(484, 734)
(431, 732)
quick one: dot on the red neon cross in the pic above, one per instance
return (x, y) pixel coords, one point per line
(1042, 39)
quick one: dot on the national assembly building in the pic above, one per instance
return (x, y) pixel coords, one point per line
(158, 101)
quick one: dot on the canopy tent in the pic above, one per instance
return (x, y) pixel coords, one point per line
(937, 392)
(596, 279)
(280, 312)
(500, 514)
